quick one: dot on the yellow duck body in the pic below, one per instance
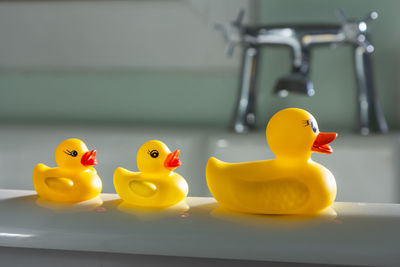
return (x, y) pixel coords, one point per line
(290, 184)
(156, 185)
(74, 180)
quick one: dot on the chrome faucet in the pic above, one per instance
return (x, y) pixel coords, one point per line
(300, 39)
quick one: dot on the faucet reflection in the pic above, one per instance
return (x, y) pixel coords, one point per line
(300, 39)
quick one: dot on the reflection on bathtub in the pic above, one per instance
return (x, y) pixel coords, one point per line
(279, 221)
(148, 214)
(87, 205)
(15, 235)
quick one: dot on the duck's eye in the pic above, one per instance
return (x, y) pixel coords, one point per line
(154, 153)
(72, 153)
(313, 127)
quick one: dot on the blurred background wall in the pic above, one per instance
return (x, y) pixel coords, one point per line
(161, 62)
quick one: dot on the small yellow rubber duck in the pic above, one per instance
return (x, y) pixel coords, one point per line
(156, 185)
(290, 184)
(74, 180)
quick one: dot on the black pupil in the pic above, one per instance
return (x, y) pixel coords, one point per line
(74, 153)
(154, 153)
(313, 127)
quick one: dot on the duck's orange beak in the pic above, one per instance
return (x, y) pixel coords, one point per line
(89, 158)
(321, 143)
(172, 161)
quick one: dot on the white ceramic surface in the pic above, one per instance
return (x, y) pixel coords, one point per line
(366, 168)
(350, 233)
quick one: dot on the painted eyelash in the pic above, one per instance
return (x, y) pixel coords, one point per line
(306, 123)
(72, 153)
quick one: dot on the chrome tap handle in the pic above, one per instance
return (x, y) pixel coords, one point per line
(232, 32)
(355, 31)
(229, 45)
(373, 15)
(238, 22)
(342, 17)
(369, 48)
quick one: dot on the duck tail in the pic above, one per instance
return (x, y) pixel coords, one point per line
(214, 163)
(38, 170)
(121, 174)
(213, 168)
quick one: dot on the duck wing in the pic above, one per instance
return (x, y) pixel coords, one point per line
(46, 177)
(256, 191)
(142, 188)
(275, 196)
(59, 183)
(137, 185)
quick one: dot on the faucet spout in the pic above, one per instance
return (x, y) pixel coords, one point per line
(298, 81)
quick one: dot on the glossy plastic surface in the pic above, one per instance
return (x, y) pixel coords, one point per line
(156, 185)
(360, 234)
(289, 184)
(74, 180)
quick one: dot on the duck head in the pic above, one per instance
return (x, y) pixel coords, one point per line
(73, 153)
(293, 133)
(155, 156)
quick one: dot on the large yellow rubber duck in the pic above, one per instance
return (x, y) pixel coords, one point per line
(292, 183)
(74, 180)
(156, 185)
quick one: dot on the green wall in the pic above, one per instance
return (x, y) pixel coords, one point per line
(124, 96)
(207, 97)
